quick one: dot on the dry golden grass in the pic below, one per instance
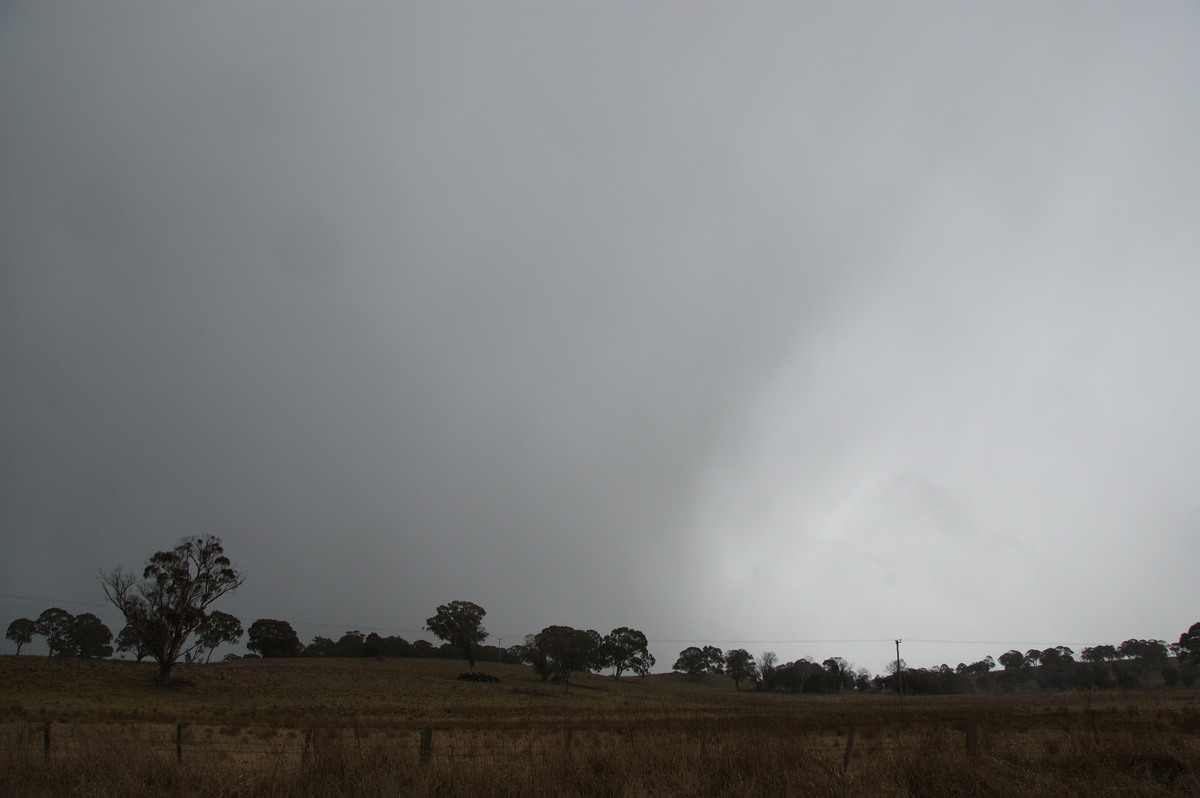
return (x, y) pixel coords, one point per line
(351, 727)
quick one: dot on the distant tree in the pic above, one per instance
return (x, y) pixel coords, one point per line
(739, 664)
(626, 649)
(1102, 653)
(841, 673)
(810, 676)
(531, 654)
(398, 646)
(21, 632)
(128, 640)
(1155, 652)
(172, 597)
(694, 660)
(1147, 652)
(1189, 645)
(273, 639)
(392, 646)
(941, 680)
(982, 666)
(460, 623)
(691, 661)
(1012, 660)
(56, 625)
(1063, 654)
(1057, 668)
(795, 677)
(319, 647)
(349, 645)
(781, 677)
(766, 667)
(90, 637)
(562, 650)
(219, 627)
(1049, 658)
(1033, 657)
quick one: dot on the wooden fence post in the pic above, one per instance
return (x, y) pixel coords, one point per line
(849, 749)
(426, 746)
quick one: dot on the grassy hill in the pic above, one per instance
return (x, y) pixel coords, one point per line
(425, 692)
(401, 690)
(354, 727)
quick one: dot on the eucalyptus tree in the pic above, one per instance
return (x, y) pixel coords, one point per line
(740, 666)
(626, 649)
(171, 598)
(21, 632)
(460, 623)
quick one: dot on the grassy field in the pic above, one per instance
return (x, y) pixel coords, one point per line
(343, 727)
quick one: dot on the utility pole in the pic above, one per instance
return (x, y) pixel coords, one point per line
(900, 679)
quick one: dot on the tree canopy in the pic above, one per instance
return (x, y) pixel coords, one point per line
(272, 639)
(562, 650)
(91, 638)
(1189, 645)
(56, 625)
(624, 649)
(128, 640)
(21, 632)
(460, 623)
(219, 627)
(170, 601)
(740, 665)
(694, 660)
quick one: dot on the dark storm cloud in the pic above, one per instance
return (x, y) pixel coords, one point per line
(596, 315)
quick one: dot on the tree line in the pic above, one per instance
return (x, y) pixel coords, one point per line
(168, 619)
(87, 637)
(556, 652)
(1134, 663)
(1131, 664)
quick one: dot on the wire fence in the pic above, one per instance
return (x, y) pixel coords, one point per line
(346, 740)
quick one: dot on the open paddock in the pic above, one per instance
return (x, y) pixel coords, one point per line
(415, 731)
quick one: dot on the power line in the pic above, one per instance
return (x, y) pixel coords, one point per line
(811, 641)
(55, 601)
(996, 642)
(758, 642)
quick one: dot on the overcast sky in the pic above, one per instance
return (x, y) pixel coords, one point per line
(765, 325)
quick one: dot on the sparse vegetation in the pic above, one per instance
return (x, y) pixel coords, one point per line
(342, 727)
